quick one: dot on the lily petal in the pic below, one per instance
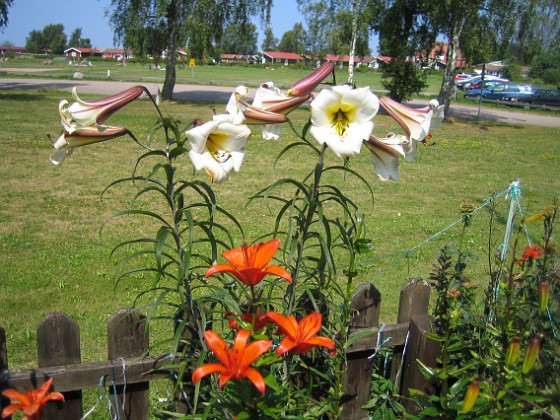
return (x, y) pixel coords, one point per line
(415, 122)
(385, 155)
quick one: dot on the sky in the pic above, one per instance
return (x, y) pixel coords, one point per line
(27, 15)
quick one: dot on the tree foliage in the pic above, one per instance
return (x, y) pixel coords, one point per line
(270, 42)
(4, 5)
(52, 37)
(239, 38)
(294, 40)
(156, 26)
(77, 41)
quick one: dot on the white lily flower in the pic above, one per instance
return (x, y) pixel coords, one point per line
(218, 148)
(342, 118)
(415, 122)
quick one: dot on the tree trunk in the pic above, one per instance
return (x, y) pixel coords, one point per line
(448, 86)
(357, 6)
(170, 76)
(173, 17)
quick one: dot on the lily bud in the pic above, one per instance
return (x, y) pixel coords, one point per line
(308, 84)
(513, 351)
(66, 143)
(82, 113)
(544, 295)
(471, 396)
(531, 354)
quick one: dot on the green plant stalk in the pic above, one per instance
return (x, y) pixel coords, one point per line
(312, 207)
(507, 312)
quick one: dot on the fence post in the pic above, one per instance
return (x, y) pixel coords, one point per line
(418, 347)
(58, 343)
(127, 336)
(357, 378)
(414, 300)
(3, 366)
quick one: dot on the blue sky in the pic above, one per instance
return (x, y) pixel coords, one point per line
(27, 15)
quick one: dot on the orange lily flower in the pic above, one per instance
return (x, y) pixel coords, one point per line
(235, 361)
(301, 337)
(249, 263)
(31, 402)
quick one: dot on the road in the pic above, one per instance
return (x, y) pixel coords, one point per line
(222, 93)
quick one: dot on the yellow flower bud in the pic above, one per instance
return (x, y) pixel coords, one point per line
(544, 295)
(513, 351)
(531, 354)
(471, 396)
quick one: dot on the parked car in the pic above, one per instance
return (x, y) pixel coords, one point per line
(463, 76)
(462, 84)
(550, 97)
(511, 92)
(485, 84)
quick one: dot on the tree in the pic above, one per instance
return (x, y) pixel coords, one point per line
(172, 24)
(239, 39)
(54, 37)
(4, 5)
(51, 37)
(478, 27)
(77, 41)
(404, 30)
(344, 35)
(34, 42)
(318, 20)
(294, 40)
(269, 42)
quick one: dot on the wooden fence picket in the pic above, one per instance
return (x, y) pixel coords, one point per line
(58, 343)
(128, 336)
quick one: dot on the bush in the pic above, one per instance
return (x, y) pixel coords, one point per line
(552, 76)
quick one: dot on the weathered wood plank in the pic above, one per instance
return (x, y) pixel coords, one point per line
(397, 333)
(414, 300)
(4, 402)
(58, 343)
(90, 375)
(365, 303)
(128, 336)
(419, 347)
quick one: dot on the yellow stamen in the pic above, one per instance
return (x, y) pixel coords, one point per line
(340, 123)
(213, 146)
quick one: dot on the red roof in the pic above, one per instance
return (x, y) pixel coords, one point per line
(283, 55)
(342, 58)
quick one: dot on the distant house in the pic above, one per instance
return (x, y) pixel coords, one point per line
(116, 53)
(5, 49)
(281, 57)
(182, 54)
(74, 52)
(381, 61)
(341, 60)
(231, 58)
(436, 58)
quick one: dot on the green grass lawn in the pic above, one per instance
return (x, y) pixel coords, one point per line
(55, 259)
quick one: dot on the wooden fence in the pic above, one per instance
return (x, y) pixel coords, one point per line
(58, 343)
